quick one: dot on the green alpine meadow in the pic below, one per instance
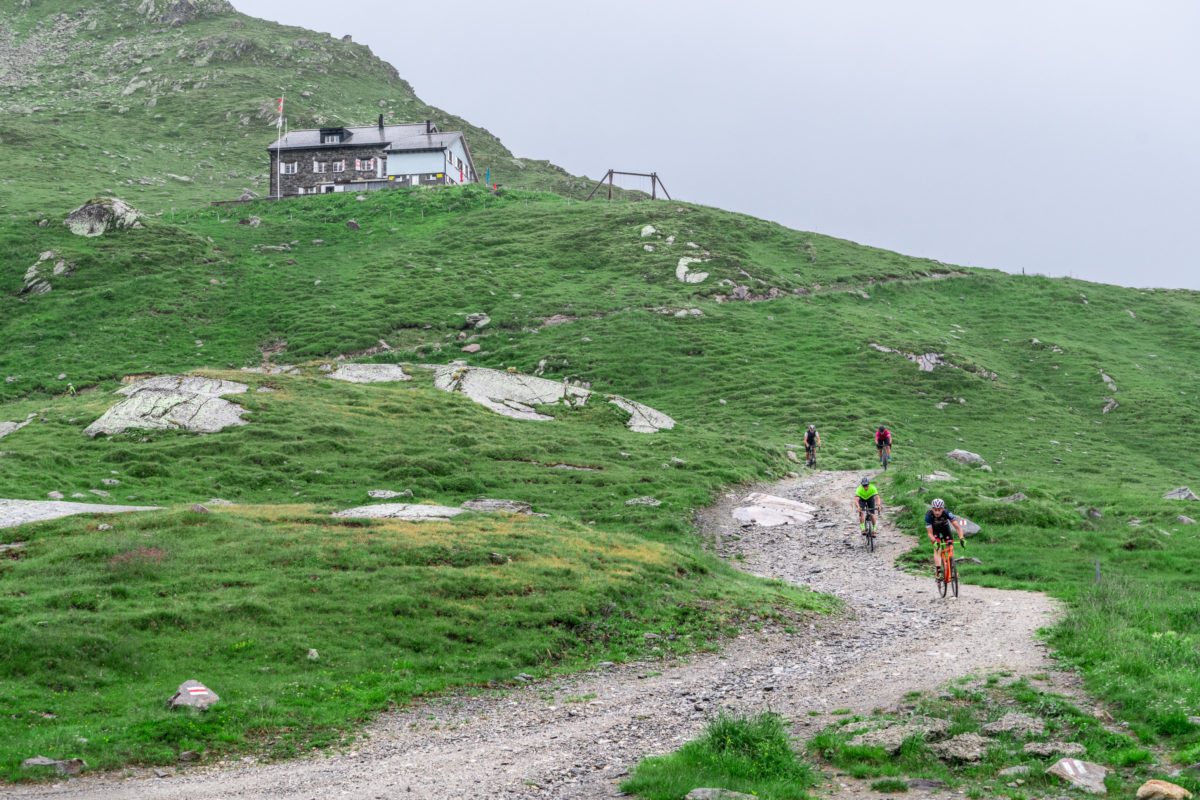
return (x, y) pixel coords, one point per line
(1080, 397)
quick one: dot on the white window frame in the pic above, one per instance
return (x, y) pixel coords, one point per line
(288, 167)
(331, 138)
(320, 166)
(365, 164)
(339, 166)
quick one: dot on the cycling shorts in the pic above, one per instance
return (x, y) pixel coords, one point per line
(867, 505)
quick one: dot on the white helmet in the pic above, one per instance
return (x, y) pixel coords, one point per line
(938, 503)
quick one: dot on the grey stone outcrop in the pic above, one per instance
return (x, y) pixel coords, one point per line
(410, 512)
(369, 373)
(19, 512)
(48, 265)
(964, 747)
(12, 427)
(491, 505)
(63, 766)
(101, 215)
(716, 794)
(1047, 749)
(173, 402)
(514, 395)
(1016, 723)
(1182, 493)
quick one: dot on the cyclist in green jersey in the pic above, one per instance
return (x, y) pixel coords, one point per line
(867, 499)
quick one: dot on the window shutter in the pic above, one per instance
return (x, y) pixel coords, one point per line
(358, 163)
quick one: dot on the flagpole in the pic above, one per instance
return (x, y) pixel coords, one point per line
(278, 146)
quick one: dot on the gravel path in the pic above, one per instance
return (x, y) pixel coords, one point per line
(576, 737)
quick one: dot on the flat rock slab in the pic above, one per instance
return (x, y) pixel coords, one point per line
(12, 427)
(492, 505)
(1016, 723)
(19, 512)
(411, 512)
(63, 766)
(1084, 774)
(964, 747)
(369, 373)
(768, 511)
(1047, 749)
(173, 402)
(1182, 493)
(716, 794)
(514, 395)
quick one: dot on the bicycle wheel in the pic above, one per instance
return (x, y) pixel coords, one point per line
(941, 581)
(954, 577)
(869, 533)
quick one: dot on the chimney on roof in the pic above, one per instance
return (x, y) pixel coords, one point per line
(428, 127)
(381, 122)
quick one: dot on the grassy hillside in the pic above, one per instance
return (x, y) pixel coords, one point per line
(787, 328)
(194, 290)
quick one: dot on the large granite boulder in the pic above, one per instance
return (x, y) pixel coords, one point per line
(101, 215)
(1182, 493)
(173, 402)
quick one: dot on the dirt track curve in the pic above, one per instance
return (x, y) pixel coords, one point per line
(576, 737)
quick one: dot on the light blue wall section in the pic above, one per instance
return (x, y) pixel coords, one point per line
(416, 163)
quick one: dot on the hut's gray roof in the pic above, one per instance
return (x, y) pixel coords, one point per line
(392, 137)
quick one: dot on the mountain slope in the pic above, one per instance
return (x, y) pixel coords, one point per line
(119, 97)
(1081, 397)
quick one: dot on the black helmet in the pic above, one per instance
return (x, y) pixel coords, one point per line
(866, 481)
(882, 429)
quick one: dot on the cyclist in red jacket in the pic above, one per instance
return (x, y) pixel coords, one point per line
(883, 442)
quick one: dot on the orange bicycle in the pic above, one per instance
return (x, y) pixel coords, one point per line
(946, 571)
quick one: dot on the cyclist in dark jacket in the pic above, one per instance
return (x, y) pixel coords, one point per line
(940, 525)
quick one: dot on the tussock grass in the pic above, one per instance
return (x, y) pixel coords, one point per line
(749, 754)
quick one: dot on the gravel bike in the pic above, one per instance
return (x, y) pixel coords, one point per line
(946, 570)
(810, 454)
(869, 531)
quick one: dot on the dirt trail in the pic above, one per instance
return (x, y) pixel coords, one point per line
(576, 737)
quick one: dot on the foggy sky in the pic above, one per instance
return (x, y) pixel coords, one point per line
(1056, 136)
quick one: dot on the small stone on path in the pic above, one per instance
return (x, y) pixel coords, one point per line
(1162, 790)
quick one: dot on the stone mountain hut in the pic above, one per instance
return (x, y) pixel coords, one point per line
(362, 158)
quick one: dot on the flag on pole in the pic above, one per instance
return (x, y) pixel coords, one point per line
(489, 176)
(281, 105)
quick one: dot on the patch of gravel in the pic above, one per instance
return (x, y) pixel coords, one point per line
(576, 737)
